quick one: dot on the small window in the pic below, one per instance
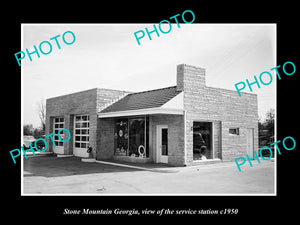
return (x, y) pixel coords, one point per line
(234, 131)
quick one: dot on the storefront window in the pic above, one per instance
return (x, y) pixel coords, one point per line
(121, 137)
(202, 139)
(137, 137)
(132, 137)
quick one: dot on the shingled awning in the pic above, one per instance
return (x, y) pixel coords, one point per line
(160, 101)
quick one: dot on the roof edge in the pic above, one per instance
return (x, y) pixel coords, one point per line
(154, 90)
(139, 112)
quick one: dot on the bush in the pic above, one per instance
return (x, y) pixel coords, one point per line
(266, 132)
(38, 133)
(28, 129)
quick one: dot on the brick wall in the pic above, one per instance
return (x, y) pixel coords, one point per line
(224, 108)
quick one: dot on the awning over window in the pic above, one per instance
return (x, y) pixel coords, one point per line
(160, 101)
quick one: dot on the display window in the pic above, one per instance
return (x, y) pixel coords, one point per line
(202, 140)
(132, 137)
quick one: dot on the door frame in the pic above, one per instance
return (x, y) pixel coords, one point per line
(159, 157)
(250, 141)
(79, 152)
(58, 149)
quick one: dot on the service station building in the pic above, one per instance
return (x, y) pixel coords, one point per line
(177, 125)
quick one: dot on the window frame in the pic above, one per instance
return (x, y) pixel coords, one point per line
(81, 132)
(127, 132)
(236, 131)
(58, 124)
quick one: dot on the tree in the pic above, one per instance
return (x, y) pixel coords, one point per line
(269, 122)
(28, 129)
(42, 113)
(270, 115)
(38, 133)
(266, 130)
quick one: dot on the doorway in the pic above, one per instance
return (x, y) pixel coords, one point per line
(250, 142)
(162, 144)
(81, 135)
(58, 123)
(202, 141)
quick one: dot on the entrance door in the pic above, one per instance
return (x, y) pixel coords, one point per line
(162, 144)
(250, 140)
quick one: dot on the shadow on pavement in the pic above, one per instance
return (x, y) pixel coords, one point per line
(52, 166)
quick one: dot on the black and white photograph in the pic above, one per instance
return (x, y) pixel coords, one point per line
(136, 112)
(164, 111)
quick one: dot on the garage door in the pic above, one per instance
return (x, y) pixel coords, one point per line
(57, 125)
(81, 135)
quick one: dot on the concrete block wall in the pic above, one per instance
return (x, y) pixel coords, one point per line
(67, 106)
(106, 97)
(104, 135)
(105, 138)
(176, 154)
(175, 125)
(87, 102)
(224, 108)
(235, 112)
(69, 124)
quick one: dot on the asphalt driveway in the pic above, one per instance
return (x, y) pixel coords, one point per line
(52, 175)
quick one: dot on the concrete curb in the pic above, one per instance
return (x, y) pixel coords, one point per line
(88, 160)
(124, 165)
(62, 156)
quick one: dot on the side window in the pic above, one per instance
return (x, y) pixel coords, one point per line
(234, 131)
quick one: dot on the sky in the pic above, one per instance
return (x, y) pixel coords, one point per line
(108, 56)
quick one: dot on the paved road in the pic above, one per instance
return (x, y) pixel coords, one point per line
(52, 175)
